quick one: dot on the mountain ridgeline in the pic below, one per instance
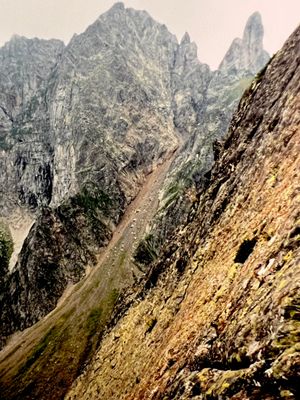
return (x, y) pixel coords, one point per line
(82, 126)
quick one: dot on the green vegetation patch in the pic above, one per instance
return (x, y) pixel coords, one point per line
(235, 92)
(172, 193)
(146, 252)
(92, 199)
(98, 315)
(51, 336)
(113, 297)
(84, 214)
(95, 324)
(93, 320)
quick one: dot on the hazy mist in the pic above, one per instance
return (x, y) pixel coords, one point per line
(212, 24)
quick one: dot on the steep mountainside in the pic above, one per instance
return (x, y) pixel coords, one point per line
(42, 361)
(82, 126)
(100, 127)
(25, 145)
(207, 123)
(218, 315)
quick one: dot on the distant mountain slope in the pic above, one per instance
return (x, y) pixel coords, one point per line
(79, 147)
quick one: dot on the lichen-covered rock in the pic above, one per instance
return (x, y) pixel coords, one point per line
(218, 314)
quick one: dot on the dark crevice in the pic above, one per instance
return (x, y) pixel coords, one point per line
(7, 114)
(244, 251)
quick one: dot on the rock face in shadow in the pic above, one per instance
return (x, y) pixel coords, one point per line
(59, 246)
(26, 150)
(218, 315)
(6, 249)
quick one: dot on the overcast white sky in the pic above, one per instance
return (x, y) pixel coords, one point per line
(212, 24)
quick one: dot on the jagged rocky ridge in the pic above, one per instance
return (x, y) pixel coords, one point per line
(218, 314)
(82, 125)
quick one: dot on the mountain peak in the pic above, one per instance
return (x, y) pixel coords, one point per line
(118, 6)
(254, 30)
(248, 53)
(185, 39)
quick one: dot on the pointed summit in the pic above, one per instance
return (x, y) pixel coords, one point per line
(185, 39)
(115, 11)
(248, 53)
(254, 31)
(187, 51)
(118, 6)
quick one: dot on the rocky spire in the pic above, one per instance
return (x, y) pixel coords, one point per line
(254, 31)
(247, 53)
(185, 39)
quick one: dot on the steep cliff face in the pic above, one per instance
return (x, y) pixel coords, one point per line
(218, 315)
(6, 249)
(190, 80)
(25, 145)
(112, 115)
(204, 104)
